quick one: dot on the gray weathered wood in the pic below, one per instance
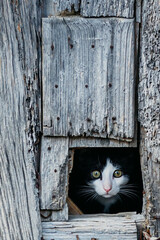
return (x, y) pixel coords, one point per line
(88, 77)
(19, 119)
(56, 215)
(54, 173)
(89, 8)
(99, 143)
(59, 7)
(103, 8)
(149, 113)
(101, 227)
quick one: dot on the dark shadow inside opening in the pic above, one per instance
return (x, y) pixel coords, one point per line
(106, 181)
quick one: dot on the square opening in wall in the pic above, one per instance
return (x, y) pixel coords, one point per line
(105, 181)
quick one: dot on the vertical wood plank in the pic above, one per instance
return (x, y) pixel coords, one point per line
(54, 173)
(19, 119)
(149, 113)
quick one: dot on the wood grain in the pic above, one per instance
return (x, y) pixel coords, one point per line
(103, 8)
(88, 77)
(89, 8)
(149, 114)
(103, 227)
(54, 173)
(19, 119)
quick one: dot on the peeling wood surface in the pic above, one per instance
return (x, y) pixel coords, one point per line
(88, 77)
(103, 8)
(60, 7)
(54, 173)
(149, 113)
(19, 119)
(87, 227)
(89, 8)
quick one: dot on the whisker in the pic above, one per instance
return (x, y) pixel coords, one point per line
(129, 194)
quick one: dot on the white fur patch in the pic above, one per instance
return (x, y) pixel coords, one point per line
(109, 182)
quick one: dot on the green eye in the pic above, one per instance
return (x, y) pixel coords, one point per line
(117, 173)
(96, 174)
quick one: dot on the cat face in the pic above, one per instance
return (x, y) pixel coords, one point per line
(107, 182)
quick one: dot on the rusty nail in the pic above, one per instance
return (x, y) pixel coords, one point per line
(111, 47)
(77, 237)
(56, 86)
(71, 46)
(49, 148)
(55, 170)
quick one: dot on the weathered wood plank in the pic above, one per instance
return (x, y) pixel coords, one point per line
(102, 227)
(54, 173)
(103, 8)
(99, 143)
(88, 77)
(55, 215)
(89, 8)
(149, 113)
(19, 119)
(60, 7)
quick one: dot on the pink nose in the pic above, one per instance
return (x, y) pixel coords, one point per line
(107, 189)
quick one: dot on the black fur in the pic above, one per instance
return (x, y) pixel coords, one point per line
(87, 160)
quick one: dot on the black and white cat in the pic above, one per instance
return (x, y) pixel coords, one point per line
(106, 181)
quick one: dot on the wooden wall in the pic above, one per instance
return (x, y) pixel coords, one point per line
(19, 118)
(20, 108)
(149, 113)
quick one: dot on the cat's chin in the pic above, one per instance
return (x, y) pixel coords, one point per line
(107, 196)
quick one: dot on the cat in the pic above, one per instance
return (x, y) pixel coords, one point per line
(106, 181)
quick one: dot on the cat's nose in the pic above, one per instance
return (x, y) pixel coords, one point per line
(107, 189)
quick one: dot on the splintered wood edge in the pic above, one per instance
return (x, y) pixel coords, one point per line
(73, 209)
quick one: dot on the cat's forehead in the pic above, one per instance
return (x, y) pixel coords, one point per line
(110, 161)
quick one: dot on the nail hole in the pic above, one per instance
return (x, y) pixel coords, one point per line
(110, 84)
(58, 118)
(113, 118)
(86, 85)
(111, 47)
(49, 148)
(88, 120)
(56, 86)
(93, 46)
(52, 47)
(55, 170)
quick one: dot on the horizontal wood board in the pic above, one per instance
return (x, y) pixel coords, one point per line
(99, 227)
(103, 8)
(89, 8)
(54, 173)
(88, 77)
